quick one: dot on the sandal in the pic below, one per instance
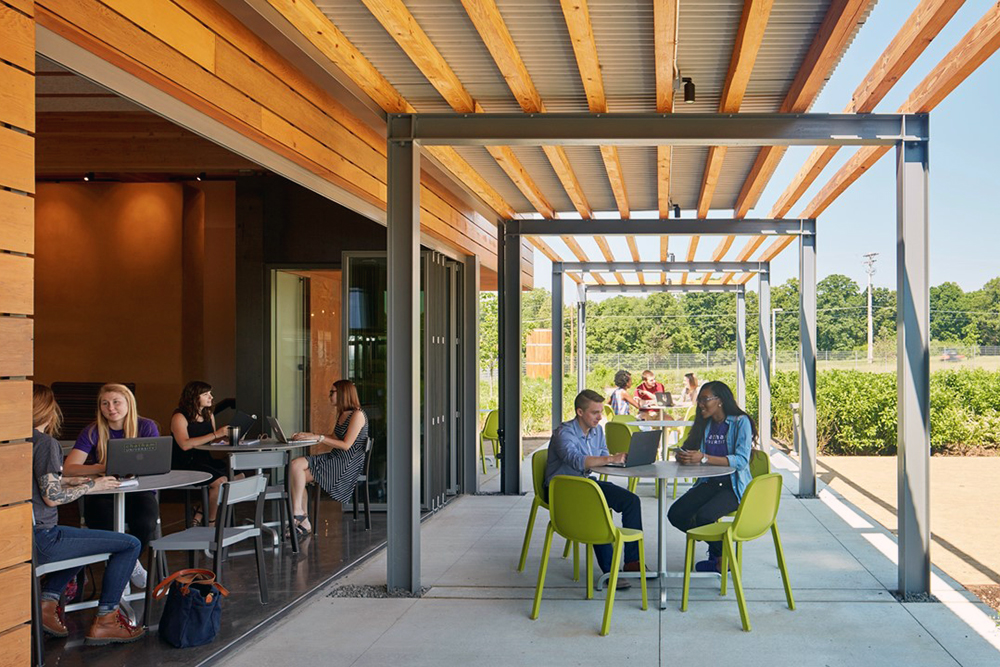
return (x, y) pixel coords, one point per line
(300, 530)
(197, 517)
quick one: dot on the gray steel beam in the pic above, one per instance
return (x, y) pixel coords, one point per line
(764, 362)
(913, 369)
(581, 339)
(653, 289)
(741, 347)
(675, 226)
(557, 344)
(403, 382)
(685, 267)
(584, 129)
(807, 366)
(470, 374)
(509, 292)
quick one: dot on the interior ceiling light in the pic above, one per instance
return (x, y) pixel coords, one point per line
(89, 176)
(688, 90)
(200, 177)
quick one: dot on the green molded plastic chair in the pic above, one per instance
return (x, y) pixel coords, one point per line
(538, 462)
(490, 432)
(608, 412)
(619, 436)
(756, 515)
(579, 512)
(760, 464)
(682, 435)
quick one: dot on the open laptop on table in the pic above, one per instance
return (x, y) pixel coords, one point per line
(664, 399)
(138, 457)
(280, 435)
(641, 450)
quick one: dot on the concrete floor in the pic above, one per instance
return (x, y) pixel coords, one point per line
(841, 564)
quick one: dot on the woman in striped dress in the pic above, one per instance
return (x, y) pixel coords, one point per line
(336, 471)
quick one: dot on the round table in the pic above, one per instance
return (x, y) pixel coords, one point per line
(663, 470)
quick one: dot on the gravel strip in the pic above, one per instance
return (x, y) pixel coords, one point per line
(359, 591)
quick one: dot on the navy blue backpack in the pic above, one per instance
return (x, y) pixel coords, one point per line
(193, 611)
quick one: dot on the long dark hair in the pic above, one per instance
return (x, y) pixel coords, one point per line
(729, 406)
(188, 405)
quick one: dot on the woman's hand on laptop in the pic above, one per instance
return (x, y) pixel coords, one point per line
(105, 484)
(305, 436)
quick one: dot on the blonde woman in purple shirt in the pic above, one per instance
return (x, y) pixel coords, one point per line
(117, 417)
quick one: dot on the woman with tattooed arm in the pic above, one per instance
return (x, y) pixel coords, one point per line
(54, 542)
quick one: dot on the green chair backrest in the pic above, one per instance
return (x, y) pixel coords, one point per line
(689, 415)
(579, 511)
(539, 460)
(760, 463)
(608, 412)
(492, 426)
(758, 508)
(619, 436)
(624, 419)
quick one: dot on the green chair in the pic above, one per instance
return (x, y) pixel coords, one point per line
(619, 436)
(689, 415)
(608, 412)
(538, 462)
(490, 432)
(760, 464)
(757, 514)
(579, 512)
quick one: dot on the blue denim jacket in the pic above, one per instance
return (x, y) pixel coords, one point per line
(739, 440)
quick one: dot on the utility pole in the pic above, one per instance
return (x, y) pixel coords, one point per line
(774, 347)
(869, 263)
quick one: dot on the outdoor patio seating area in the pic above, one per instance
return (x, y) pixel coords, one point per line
(842, 567)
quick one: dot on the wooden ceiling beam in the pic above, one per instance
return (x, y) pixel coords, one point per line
(664, 55)
(978, 44)
(581, 33)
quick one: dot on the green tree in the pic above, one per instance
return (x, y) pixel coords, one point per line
(489, 332)
(984, 318)
(948, 316)
(841, 314)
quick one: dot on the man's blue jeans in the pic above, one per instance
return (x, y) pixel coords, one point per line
(64, 542)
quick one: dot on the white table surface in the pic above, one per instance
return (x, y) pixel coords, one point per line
(664, 470)
(262, 446)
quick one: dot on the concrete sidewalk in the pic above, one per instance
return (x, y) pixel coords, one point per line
(476, 610)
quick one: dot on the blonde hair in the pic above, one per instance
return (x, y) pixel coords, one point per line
(130, 427)
(44, 410)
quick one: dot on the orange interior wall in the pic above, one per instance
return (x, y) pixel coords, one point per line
(109, 288)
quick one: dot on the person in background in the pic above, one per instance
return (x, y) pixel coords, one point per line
(54, 542)
(646, 392)
(579, 445)
(117, 417)
(620, 399)
(336, 471)
(722, 435)
(193, 425)
(690, 391)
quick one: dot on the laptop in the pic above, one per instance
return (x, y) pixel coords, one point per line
(139, 456)
(245, 423)
(641, 449)
(280, 435)
(664, 399)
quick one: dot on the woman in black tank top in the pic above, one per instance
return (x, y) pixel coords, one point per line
(193, 425)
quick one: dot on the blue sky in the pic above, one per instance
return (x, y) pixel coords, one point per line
(964, 172)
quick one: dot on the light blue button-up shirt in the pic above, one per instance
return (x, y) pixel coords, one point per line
(569, 448)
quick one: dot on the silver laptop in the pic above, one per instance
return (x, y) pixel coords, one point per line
(641, 449)
(664, 399)
(280, 435)
(137, 457)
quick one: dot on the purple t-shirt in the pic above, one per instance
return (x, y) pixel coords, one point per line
(87, 442)
(715, 439)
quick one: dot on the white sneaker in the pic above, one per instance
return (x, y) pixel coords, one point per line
(138, 577)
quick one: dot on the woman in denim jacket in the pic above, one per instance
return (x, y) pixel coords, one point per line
(722, 435)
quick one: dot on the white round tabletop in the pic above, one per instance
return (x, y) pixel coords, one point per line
(170, 480)
(662, 423)
(665, 470)
(262, 446)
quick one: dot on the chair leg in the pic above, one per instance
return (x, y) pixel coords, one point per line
(357, 498)
(482, 452)
(314, 497)
(724, 568)
(189, 510)
(151, 581)
(688, 564)
(633, 483)
(589, 551)
(779, 552)
(727, 550)
(642, 570)
(609, 600)
(566, 548)
(261, 576)
(535, 504)
(675, 488)
(536, 607)
(576, 561)
(368, 508)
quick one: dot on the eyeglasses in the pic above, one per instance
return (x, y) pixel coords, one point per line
(703, 400)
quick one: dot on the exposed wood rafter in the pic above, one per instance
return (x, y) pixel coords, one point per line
(664, 53)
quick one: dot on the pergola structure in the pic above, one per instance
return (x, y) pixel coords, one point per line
(909, 133)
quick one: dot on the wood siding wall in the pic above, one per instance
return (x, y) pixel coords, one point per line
(198, 53)
(17, 240)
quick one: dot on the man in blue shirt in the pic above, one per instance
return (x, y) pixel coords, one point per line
(577, 446)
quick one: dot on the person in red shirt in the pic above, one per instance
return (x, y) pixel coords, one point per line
(646, 393)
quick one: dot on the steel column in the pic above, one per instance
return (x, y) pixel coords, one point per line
(470, 374)
(741, 347)
(807, 366)
(913, 368)
(509, 293)
(581, 338)
(764, 363)
(403, 382)
(557, 344)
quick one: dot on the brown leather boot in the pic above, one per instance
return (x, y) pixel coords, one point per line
(52, 621)
(112, 628)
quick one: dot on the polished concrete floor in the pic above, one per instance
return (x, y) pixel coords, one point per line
(291, 577)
